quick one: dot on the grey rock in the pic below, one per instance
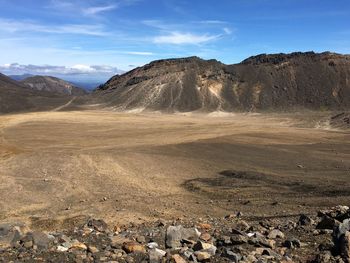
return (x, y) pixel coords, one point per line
(327, 223)
(156, 255)
(41, 240)
(276, 234)
(304, 220)
(323, 257)
(152, 245)
(234, 257)
(339, 212)
(341, 229)
(175, 234)
(10, 235)
(141, 239)
(98, 224)
(205, 247)
(292, 243)
(238, 239)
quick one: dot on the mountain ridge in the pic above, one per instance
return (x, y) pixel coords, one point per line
(263, 82)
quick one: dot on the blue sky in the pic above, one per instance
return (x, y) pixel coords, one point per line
(102, 36)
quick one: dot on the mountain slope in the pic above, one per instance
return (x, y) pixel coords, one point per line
(317, 81)
(186, 84)
(280, 81)
(52, 84)
(14, 97)
(20, 77)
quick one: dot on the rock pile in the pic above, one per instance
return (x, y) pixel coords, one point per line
(325, 238)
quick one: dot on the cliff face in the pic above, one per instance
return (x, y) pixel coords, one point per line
(263, 82)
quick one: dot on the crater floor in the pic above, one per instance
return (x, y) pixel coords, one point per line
(60, 167)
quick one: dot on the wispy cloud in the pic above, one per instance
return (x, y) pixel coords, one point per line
(15, 68)
(227, 30)
(179, 38)
(88, 8)
(138, 53)
(212, 22)
(13, 26)
(98, 9)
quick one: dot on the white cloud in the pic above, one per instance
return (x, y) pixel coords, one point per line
(13, 26)
(138, 53)
(15, 68)
(98, 9)
(178, 38)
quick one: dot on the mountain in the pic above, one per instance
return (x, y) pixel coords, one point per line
(263, 82)
(52, 84)
(88, 86)
(15, 97)
(20, 77)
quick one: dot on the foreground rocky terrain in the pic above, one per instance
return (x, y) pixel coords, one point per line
(265, 82)
(320, 239)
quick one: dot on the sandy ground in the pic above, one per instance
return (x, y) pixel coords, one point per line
(57, 168)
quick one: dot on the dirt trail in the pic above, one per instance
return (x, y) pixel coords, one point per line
(65, 105)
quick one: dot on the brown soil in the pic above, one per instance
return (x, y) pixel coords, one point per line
(58, 168)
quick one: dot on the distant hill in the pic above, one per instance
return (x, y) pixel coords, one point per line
(20, 77)
(88, 86)
(264, 82)
(52, 84)
(15, 97)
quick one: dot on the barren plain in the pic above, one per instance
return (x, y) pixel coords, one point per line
(58, 168)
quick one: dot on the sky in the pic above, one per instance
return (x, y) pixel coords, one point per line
(96, 39)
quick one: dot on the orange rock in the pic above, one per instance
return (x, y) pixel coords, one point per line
(130, 247)
(78, 245)
(178, 259)
(205, 236)
(204, 226)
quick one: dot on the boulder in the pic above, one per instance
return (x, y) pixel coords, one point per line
(276, 234)
(132, 246)
(202, 246)
(327, 222)
(304, 220)
(98, 225)
(40, 239)
(178, 259)
(175, 234)
(10, 234)
(156, 255)
(202, 256)
(339, 212)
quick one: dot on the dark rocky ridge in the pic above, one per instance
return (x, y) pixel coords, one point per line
(264, 82)
(15, 97)
(52, 84)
